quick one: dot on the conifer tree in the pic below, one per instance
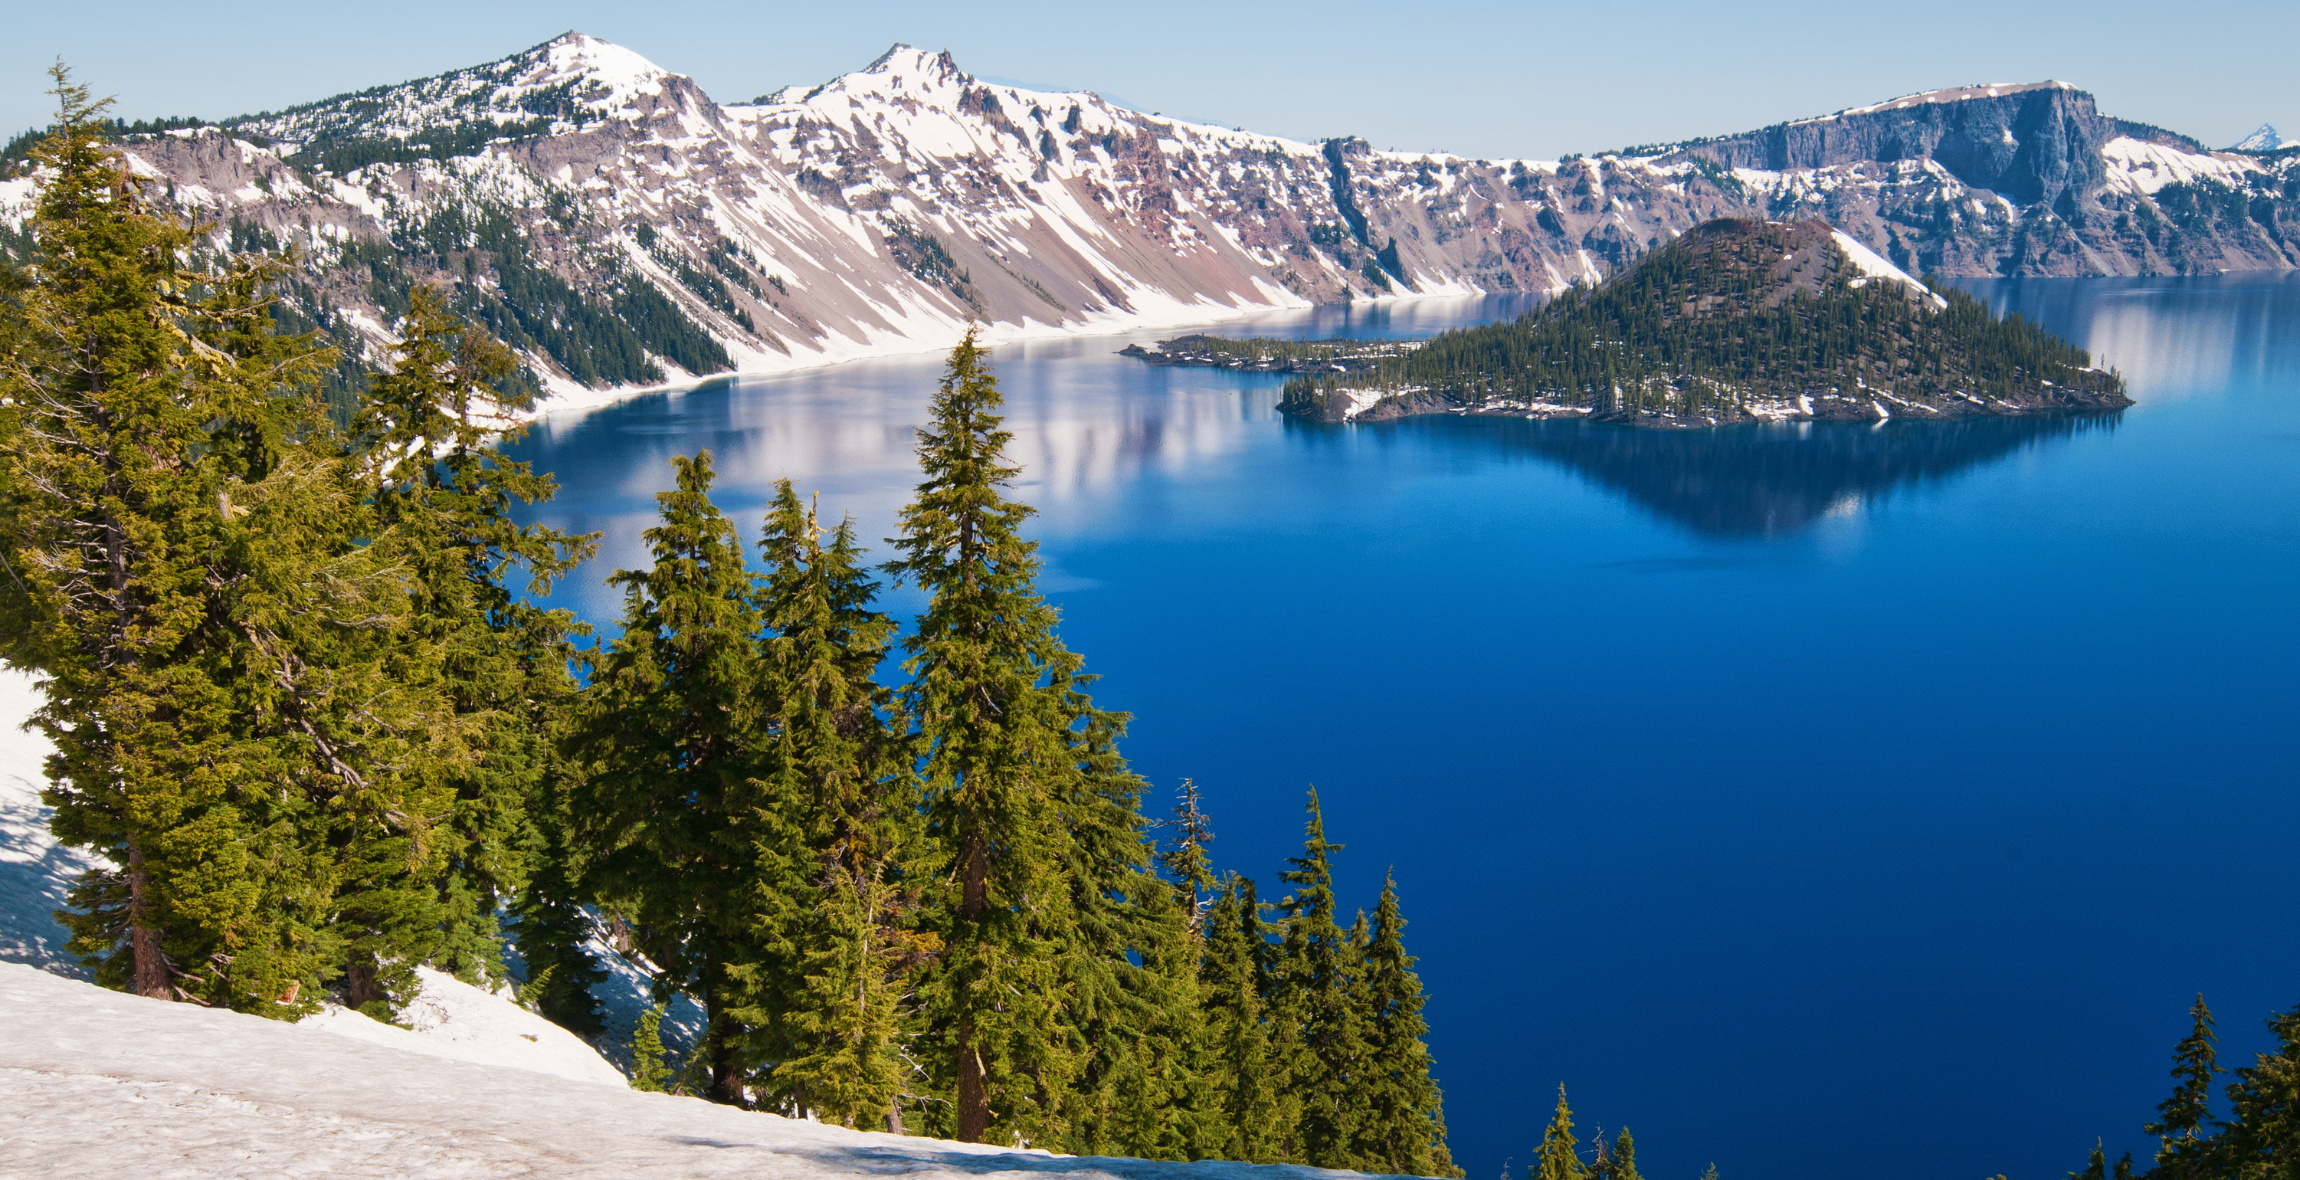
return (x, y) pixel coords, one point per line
(2262, 1137)
(648, 1072)
(668, 736)
(1404, 1124)
(2185, 1144)
(835, 898)
(1242, 1072)
(1557, 1159)
(1621, 1162)
(1017, 771)
(239, 725)
(1318, 975)
(2097, 1169)
(427, 438)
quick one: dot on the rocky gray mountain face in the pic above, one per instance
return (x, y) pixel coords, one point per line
(621, 229)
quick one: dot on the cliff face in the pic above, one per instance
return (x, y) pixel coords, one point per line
(621, 228)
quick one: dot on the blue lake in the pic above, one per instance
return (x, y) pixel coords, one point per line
(1818, 802)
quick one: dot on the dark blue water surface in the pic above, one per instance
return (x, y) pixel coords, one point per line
(1824, 801)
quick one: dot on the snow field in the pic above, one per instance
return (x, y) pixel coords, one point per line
(95, 1083)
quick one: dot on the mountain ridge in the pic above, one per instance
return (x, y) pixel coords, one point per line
(623, 230)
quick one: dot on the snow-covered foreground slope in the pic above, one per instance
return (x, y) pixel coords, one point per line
(450, 1019)
(94, 1083)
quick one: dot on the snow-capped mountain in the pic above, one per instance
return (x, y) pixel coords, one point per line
(621, 229)
(2263, 139)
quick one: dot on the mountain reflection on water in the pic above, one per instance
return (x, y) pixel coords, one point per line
(1774, 480)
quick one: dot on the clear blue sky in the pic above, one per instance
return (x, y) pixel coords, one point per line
(1485, 79)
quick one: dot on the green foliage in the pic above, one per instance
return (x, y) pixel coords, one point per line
(1020, 783)
(1705, 323)
(648, 1072)
(836, 898)
(1319, 993)
(1557, 1159)
(667, 734)
(1403, 1127)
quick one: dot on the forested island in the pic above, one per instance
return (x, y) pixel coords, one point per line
(1737, 321)
(1262, 354)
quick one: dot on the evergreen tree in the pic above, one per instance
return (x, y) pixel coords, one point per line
(1404, 1127)
(1245, 1078)
(648, 1072)
(1318, 978)
(1621, 1162)
(834, 898)
(2097, 1169)
(240, 724)
(2181, 1121)
(2262, 1138)
(1019, 775)
(428, 437)
(1557, 1159)
(668, 735)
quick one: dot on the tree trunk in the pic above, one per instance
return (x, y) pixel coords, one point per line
(143, 937)
(973, 1096)
(361, 987)
(726, 1076)
(973, 1088)
(894, 1117)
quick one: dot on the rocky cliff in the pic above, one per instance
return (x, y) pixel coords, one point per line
(622, 229)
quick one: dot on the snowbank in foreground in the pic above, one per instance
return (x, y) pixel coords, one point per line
(451, 1019)
(459, 1022)
(97, 1083)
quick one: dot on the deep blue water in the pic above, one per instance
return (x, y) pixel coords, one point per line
(1822, 802)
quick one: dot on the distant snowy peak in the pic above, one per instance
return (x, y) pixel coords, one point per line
(2263, 139)
(556, 87)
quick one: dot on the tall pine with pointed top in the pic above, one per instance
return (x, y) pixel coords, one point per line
(998, 703)
(1403, 1130)
(668, 736)
(1557, 1158)
(2186, 1145)
(1621, 1162)
(837, 894)
(1317, 986)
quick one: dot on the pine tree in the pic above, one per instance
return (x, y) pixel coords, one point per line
(669, 734)
(2262, 1137)
(834, 897)
(1017, 767)
(648, 1072)
(239, 725)
(1404, 1128)
(1318, 978)
(2181, 1119)
(1557, 1159)
(1241, 1071)
(1621, 1162)
(2097, 1169)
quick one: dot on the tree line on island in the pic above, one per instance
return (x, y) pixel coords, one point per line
(304, 703)
(1732, 313)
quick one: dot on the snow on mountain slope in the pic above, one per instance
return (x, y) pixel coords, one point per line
(2264, 138)
(95, 1083)
(623, 230)
(1873, 266)
(35, 871)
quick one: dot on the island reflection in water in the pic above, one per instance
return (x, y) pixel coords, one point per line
(1771, 480)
